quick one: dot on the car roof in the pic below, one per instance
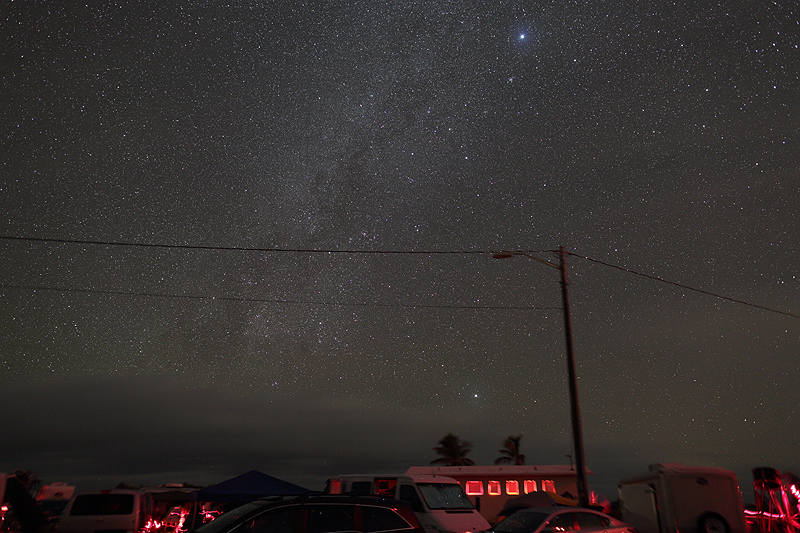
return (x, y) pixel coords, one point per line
(109, 491)
(319, 497)
(416, 478)
(374, 500)
(552, 509)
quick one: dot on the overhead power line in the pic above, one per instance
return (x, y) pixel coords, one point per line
(687, 287)
(256, 249)
(274, 300)
(355, 252)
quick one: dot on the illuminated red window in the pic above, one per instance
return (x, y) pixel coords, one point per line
(549, 484)
(494, 488)
(386, 487)
(530, 486)
(512, 487)
(474, 488)
(336, 486)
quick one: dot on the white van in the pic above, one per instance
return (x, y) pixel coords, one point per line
(675, 498)
(121, 511)
(439, 502)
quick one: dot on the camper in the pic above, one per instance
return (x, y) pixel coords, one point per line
(121, 511)
(496, 489)
(438, 501)
(675, 498)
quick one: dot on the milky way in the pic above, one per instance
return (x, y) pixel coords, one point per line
(306, 170)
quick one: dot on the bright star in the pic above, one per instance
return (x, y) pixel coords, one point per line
(522, 37)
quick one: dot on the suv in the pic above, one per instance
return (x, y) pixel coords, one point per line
(318, 514)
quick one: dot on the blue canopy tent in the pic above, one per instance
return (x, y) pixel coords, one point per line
(247, 487)
(241, 489)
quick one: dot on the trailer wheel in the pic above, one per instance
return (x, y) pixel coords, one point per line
(712, 523)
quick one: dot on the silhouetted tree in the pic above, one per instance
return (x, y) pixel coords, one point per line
(453, 451)
(510, 452)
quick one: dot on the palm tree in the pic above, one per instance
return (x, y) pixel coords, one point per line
(453, 451)
(510, 451)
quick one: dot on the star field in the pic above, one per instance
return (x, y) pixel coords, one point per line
(661, 137)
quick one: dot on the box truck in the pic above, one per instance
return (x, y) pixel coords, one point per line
(675, 498)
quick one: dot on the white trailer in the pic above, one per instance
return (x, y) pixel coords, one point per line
(675, 498)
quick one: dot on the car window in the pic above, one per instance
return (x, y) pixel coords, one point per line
(382, 519)
(409, 494)
(591, 521)
(445, 496)
(561, 522)
(102, 504)
(521, 522)
(275, 521)
(360, 487)
(328, 518)
(230, 519)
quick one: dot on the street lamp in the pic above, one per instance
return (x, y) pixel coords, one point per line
(575, 410)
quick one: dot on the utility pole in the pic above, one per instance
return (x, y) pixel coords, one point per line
(575, 409)
(577, 431)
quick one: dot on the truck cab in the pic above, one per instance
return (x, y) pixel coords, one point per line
(439, 502)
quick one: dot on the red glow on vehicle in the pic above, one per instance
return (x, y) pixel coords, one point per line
(336, 486)
(494, 488)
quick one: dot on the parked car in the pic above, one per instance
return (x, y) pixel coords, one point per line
(119, 510)
(559, 519)
(318, 514)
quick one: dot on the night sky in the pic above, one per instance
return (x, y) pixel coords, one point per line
(259, 235)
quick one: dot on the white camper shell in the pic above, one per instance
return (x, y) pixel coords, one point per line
(439, 502)
(674, 498)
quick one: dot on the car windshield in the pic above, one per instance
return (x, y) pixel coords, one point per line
(229, 517)
(102, 504)
(521, 522)
(444, 496)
